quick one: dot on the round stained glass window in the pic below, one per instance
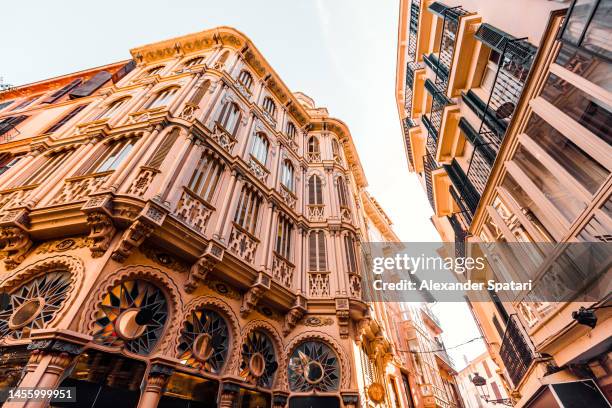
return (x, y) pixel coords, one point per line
(313, 366)
(258, 359)
(204, 341)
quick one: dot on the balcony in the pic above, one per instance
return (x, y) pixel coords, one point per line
(412, 69)
(466, 196)
(516, 350)
(418, 146)
(429, 165)
(451, 17)
(460, 234)
(444, 204)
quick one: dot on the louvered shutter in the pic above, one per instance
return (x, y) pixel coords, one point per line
(312, 251)
(322, 254)
(91, 86)
(311, 190)
(9, 123)
(162, 150)
(199, 93)
(318, 191)
(66, 118)
(63, 91)
(123, 71)
(350, 253)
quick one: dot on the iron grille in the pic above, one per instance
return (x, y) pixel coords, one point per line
(493, 37)
(464, 212)
(432, 136)
(460, 234)
(413, 28)
(408, 123)
(464, 187)
(429, 165)
(479, 169)
(516, 352)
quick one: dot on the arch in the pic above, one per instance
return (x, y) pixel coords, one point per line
(112, 107)
(162, 97)
(246, 79)
(260, 147)
(150, 274)
(277, 342)
(314, 335)
(193, 61)
(222, 59)
(315, 189)
(152, 71)
(343, 197)
(70, 264)
(229, 116)
(226, 312)
(269, 106)
(291, 130)
(288, 174)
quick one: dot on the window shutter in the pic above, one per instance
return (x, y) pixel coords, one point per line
(318, 191)
(63, 91)
(123, 71)
(322, 255)
(312, 251)
(311, 190)
(162, 150)
(66, 118)
(9, 123)
(91, 86)
(199, 93)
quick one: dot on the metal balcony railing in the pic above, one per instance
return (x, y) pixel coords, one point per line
(408, 124)
(450, 26)
(410, 68)
(516, 350)
(460, 234)
(413, 29)
(465, 194)
(429, 165)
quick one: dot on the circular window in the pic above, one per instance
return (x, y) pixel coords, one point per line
(34, 304)
(313, 366)
(258, 359)
(204, 341)
(132, 315)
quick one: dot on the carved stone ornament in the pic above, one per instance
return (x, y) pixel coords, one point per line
(16, 243)
(198, 272)
(292, 318)
(342, 313)
(102, 231)
(132, 238)
(250, 299)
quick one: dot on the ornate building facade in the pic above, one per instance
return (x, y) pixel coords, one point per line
(180, 229)
(505, 108)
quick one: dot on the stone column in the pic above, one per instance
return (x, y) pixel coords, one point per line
(229, 391)
(53, 352)
(299, 271)
(279, 399)
(158, 377)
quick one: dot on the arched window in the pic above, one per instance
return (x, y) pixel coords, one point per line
(152, 71)
(221, 61)
(258, 364)
(162, 98)
(317, 258)
(313, 366)
(283, 237)
(315, 190)
(260, 148)
(342, 192)
(291, 131)
(287, 175)
(44, 168)
(247, 210)
(112, 156)
(314, 153)
(349, 250)
(269, 106)
(229, 117)
(112, 108)
(336, 151)
(194, 61)
(245, 79)
(204, 342)
(206, 177)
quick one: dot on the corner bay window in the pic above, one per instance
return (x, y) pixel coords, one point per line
(206, 177)
(259, 149)
(247, 210)
(317, 258)
(283, 236)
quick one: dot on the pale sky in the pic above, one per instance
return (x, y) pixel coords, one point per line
(342, 53)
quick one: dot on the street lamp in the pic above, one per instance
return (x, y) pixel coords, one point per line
(481, 386)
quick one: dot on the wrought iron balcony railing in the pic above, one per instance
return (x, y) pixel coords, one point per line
(410, 68)
(516, 350)
(465, 193)
(413, 28)
(408, 124)
(450, 26)
(429, 165)
(460, 234)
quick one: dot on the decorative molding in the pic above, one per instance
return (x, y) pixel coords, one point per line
(317, 321)
(16, 243)
(102, 231)
(164, 258)
(62, 245)
(205, 264)
(132, 238)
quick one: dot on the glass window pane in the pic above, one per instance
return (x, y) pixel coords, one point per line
(577, 20)
(580, 165)
(557, 192)
(597, 37)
